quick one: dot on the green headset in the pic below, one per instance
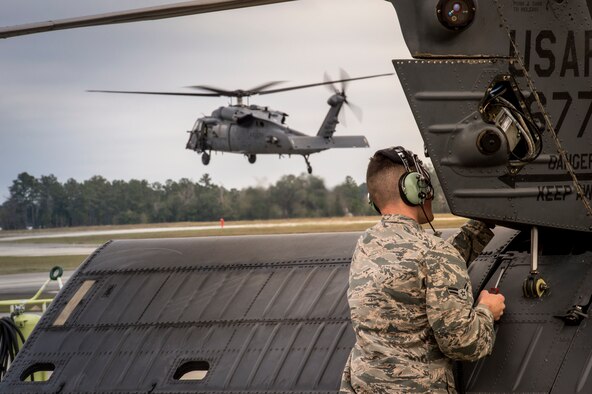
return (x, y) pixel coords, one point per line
(415, 186)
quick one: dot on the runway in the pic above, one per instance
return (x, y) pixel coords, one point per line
(8, 247)
(24, 286)
(77, 234)
(21, 250)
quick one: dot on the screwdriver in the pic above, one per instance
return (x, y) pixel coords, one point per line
(495, 288)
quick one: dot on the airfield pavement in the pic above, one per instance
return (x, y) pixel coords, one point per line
(37, 244)
(172, 229)
(24, 286)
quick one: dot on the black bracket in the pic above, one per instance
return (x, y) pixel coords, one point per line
(574, 316)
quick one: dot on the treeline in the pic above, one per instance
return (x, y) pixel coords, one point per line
(45, 202)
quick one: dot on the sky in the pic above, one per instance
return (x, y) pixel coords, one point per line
(49, 124)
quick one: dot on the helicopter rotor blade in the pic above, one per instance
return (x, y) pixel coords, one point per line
(134, 15)
(238, 92)
(264, 86)
(158, 93)
(356, 110)
(221, 92)
(330, 85)
(217, 92)
(345, 78)
(320, 84)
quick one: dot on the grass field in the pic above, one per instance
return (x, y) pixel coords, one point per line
(22, 264)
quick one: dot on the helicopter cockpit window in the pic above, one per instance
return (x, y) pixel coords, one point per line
(198, 125)
(504, 106)
(277, 117)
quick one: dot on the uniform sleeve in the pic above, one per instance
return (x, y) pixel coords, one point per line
(462, 332)
(471, 239)
(346, 386)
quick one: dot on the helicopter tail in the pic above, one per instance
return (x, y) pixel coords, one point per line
(316, 143)
(331, 120)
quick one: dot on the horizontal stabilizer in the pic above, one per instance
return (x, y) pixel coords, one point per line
(353, 141)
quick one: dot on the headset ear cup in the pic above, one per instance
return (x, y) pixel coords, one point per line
(410, 189)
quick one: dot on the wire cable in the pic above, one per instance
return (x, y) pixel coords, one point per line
(526, 127)
(436, 233)
(9, 343)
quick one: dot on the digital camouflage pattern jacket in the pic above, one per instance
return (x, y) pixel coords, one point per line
(412, 308)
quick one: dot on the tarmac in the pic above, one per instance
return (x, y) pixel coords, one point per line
(24, 286)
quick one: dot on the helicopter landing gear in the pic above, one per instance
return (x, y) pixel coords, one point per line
(205, 158)
(534, 286)
(308, 167)
(252, 158)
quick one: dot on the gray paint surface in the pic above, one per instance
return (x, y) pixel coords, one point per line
(266, 313)
(148, 13)
(447, 83)
(269, 313)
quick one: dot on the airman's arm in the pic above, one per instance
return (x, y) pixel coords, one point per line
(471, 239)
(462, 331)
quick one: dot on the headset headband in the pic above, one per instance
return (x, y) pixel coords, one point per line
(400, 155)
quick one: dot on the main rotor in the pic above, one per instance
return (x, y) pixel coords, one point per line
(239, 94)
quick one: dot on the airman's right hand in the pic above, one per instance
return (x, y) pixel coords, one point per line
(493, 302)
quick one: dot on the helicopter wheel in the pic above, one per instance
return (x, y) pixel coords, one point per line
(205, 158)
(534, 286)
(252, 158)
(308, 166)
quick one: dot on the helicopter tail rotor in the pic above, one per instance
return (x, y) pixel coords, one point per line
(330, 84)
(342, 91)
(345, 79)
(356, 110)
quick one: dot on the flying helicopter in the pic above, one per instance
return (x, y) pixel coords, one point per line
(252, 129)
(491, 85)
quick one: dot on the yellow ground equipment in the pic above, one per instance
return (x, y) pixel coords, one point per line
(16, 328)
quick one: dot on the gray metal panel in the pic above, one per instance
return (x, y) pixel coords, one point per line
(267, 313)
(551, 54)
(444, 96)
(348, 141)
(535, 351)
(426, 37)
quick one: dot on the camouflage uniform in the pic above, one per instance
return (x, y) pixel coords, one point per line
(412, 308)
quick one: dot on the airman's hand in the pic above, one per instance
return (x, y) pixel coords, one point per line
(494, 302)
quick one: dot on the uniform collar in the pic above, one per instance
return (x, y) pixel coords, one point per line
(396, 218)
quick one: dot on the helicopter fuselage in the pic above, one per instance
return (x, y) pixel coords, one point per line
(246, 130)
(252, 130)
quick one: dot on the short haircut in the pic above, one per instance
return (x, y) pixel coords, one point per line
(382, 179)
